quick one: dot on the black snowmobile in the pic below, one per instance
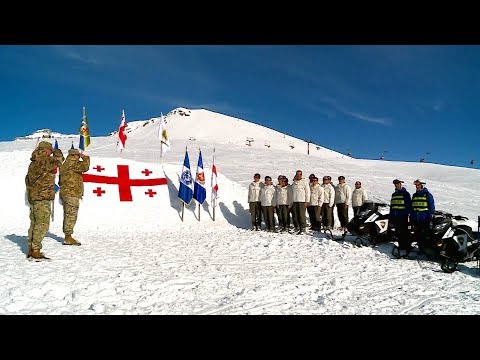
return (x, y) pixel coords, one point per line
(449, 241)
(370, 225)
(458, 243)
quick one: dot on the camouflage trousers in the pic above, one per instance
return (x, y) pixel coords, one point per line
(70, 213)
(40, 212)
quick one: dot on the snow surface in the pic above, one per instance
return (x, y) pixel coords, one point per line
(140, 258)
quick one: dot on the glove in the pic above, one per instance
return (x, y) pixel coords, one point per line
(57, 152)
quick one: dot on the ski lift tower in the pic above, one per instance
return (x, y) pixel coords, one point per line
(424, 159)
(382, 157)
(349, 152)
(308, 145)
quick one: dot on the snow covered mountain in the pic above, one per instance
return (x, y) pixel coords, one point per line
(45, 134)
(208, 126)
(197, 124)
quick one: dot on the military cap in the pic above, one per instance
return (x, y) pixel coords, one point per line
(73, 152)
(45, 145)
(396, 181)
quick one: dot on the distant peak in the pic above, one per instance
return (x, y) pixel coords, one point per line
(180, 111)
(44, 134)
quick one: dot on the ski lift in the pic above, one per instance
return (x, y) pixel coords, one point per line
(192, 138)
(267, 143)
(382, 157)
(292, 145)
(318, 147)
(249, 141)
(472, 162)
(422, 160)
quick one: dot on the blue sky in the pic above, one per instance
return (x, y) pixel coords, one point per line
(407, 102)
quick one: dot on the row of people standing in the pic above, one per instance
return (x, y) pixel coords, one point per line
(318, 200)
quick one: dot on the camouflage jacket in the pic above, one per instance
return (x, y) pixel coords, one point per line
(71, 180)
(40, 177)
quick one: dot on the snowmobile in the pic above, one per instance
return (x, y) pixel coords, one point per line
(458, 243)
(370, 225)
(448, 241)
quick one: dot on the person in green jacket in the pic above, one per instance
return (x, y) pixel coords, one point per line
(40, 191)
(71, 190)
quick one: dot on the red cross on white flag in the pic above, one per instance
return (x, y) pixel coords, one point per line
(122, 135)
(134, 182)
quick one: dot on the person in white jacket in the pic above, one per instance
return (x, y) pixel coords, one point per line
(254, 203)
(343, 197)
(315, 203)
(268, 201)
(283, 196)
(328, 203)
(359, 196)
(299, 202)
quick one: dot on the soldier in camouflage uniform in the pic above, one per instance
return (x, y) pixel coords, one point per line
(71, 190)
(39, 181)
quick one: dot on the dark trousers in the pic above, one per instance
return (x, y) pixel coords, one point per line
(269, 220)
(256, 213)
(420, 231)
(314, 215)
(342, 212)
(283, 217)
(327, 215)
(298, 214)
(356, 210)
(400, 224)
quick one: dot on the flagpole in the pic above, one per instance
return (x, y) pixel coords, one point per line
(161, 142)
(53, 202)
(83, 118)
(183, 203)
(212, 188)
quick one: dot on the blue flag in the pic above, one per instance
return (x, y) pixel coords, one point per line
(199, 191)
(56, 144)
(185, 193)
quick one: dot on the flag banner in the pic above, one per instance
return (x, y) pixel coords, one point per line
(162, 135)
(72, 147)
(84, 132)
(122, 135)
(185, 192)
(199, 191)
(214, 182)
(119, 192)
(108, 181)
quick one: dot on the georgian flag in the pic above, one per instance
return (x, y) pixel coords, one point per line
(122, 135)
(214, 182)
